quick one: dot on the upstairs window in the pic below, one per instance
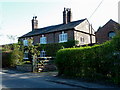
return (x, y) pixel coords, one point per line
(63, 37)
(25, 42)
(111, 34)
(43, 40)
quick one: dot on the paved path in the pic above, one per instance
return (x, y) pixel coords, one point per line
(13, 79)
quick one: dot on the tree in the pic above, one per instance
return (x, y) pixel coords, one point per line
(12, 38)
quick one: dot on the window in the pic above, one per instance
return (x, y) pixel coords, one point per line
(25, 42)
(42, 53)
(63, 37)
(82, 39)
(26, 55)
(43, 40)
(111, 34)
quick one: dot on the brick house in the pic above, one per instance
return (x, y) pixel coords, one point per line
(80, 30)
(106, 32)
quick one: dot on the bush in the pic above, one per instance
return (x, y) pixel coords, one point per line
(16, 58)
(70, 43)
(50, 49)
(98, 62)
(6, 48)
(11, 56)
(5, 59)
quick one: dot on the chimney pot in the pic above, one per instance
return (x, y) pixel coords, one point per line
(35, 17)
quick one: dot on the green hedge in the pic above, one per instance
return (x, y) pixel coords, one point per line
(5, 59)
(11, 58)
(98, 62)
(11, 55)
(52, 49)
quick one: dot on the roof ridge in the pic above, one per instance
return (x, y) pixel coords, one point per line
(61, 24)
(108, 22)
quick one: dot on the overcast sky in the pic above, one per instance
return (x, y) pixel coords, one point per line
(16, 15)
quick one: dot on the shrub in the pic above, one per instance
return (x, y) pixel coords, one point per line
(116, 42)
(6, 48)
(11, 56)
(98, 62)
(16, 58)
(5, 59)
(70, 43)
(51, 49)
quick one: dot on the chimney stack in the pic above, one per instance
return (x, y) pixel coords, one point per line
(64, 16)
(67, 16)
(34, 23)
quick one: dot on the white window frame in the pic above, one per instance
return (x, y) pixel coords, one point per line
(43, 40)
(82, 39)
(63, 37)
(25, 42)
(26, 52)
(42, 53)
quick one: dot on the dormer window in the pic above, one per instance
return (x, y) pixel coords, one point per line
(25, 42)
(63, 37)
(43, 40)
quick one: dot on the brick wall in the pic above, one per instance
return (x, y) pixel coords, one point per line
(57, 37)
(50, 37)
(53, 37)
(36, 39)
(72, 35)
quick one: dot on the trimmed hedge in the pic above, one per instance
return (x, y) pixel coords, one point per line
(98, 62)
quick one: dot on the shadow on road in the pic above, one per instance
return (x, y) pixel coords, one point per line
(18, 79)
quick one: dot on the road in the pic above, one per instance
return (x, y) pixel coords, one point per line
(13, 79)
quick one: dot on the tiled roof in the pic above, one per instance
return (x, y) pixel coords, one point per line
(54, 28)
